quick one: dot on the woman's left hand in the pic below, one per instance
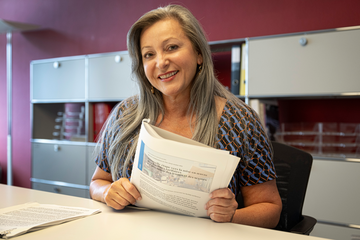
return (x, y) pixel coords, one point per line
(222, 205)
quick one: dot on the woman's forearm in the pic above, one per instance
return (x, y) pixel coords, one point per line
(265, 215)
(98, 188)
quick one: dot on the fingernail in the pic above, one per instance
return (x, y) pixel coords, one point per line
(139, 198)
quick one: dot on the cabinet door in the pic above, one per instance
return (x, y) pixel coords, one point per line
(57, 80)
(335, 232)
(61, 189)
(333, 192)
(65, 163)
(328, 64)
(110, 77)
(91, 165)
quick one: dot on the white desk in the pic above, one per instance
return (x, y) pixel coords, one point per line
(131, 223)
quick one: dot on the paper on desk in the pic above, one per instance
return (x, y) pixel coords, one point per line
(177, 174)
(30, 217)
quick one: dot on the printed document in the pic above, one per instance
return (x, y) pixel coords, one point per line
(30, 217)
(177, 174)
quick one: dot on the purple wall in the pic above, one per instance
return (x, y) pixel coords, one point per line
(76, 27)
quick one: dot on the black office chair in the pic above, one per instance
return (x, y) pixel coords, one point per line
(293, 168)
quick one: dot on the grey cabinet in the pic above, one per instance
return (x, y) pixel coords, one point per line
(59, 162)
(58, 79)
(333, 198)
(55, 188)
(90, 163)
(317, 64)
(341, 199)
(60, 168)
(62, 160)
(110, 77)
(335, 232)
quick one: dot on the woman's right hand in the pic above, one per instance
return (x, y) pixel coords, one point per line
(121, 193)
(116, 194)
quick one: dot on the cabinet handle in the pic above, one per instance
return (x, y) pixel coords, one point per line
(56, 64)
(118, 59)
(303, 41)
(56, 148)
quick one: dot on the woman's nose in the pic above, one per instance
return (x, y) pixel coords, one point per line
(162, 61)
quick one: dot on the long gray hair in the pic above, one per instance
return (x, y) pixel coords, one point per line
(205, 87)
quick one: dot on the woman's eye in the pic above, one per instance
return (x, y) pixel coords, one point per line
(147, 55)
(173, 47)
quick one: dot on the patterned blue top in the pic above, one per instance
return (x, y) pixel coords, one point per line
(240, 132)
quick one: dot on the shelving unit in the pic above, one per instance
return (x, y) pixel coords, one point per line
(335, 140)
(306, 69)
(63, 138)
(222, 53)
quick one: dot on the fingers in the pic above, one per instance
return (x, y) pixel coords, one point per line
(130, 189)
(222, 193)
(222, 205)
(120, 194)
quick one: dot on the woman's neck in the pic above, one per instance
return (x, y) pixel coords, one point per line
(176, 107)
(176, 117)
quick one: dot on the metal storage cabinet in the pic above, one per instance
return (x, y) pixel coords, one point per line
(333, 196)
(55, 162)
(61, 164)
(62, 78)
(61, 189)
(321, 64)
(282, 66)
(90, 163)
(335, 232)
(110, 76)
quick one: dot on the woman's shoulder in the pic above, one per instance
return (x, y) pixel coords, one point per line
(238, 110)
(125, 105)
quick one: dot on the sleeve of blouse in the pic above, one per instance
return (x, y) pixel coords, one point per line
(260, 167)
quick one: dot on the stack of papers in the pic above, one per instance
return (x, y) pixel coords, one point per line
(30, 217)
(177, 174)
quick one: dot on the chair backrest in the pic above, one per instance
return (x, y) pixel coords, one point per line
(293, 168)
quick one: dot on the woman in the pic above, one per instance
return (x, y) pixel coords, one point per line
(179, 92)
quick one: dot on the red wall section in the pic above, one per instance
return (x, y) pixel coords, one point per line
(222, 65)
(320, 110)
(79, 27)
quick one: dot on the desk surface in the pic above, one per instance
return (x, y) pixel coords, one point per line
(131, 223)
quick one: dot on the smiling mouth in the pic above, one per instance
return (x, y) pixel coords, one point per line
(168, 75)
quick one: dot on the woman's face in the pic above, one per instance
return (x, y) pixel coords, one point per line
(170, 61)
